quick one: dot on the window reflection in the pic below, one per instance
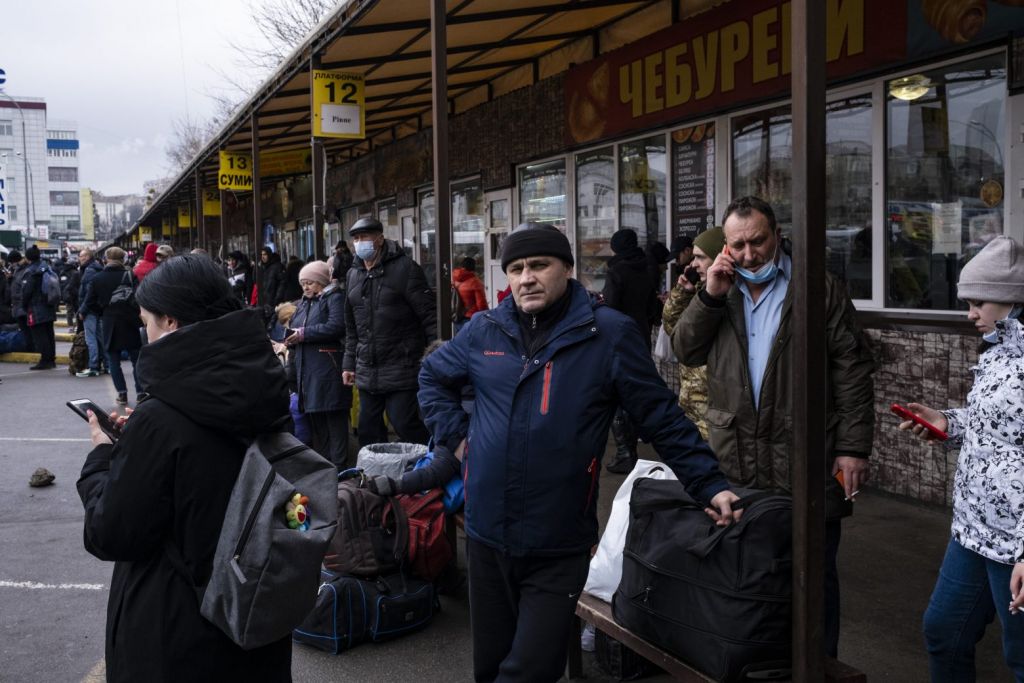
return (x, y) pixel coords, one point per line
(542, 189)
(595, 214)
(945, 173)
(642, 173)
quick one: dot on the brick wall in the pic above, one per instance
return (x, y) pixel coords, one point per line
(929, 368)
(480, 143)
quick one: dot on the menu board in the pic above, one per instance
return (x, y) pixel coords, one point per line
(693, 179)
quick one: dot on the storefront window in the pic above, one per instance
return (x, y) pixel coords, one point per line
(387, 214)
(762, 166)
(762, 158)
(428, 248)
(945, 175)
(642, 174)
(542, 189)
(468, 222)
(848, 193)
(595, 214)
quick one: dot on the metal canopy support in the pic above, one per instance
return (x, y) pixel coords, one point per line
(200, 218)
(223, 250)
(317, 169)
(809, 361)
(442, 187)
(257, 210)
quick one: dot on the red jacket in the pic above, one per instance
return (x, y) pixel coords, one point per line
(147, 263)
(471, 291)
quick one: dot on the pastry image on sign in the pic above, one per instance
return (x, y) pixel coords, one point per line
(588, 108)
(698, 133)
(958, 21)
(991, 193)
(682, 135)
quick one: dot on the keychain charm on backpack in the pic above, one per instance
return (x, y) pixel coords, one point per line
(296, 512)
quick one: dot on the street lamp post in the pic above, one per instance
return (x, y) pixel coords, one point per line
(29, 195)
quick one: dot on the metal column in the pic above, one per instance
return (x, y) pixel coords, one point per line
(317, 169)
(257, 210)
(809, 361)
(223, 245)
(442, 186)
(200, 219)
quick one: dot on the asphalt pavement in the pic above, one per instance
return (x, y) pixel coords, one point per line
(53, 594)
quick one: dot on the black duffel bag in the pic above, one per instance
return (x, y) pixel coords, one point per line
(718, 598)
(351, 610)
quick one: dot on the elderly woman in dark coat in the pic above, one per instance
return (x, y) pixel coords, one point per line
(212, 385)
(120, 320)
(318, 343)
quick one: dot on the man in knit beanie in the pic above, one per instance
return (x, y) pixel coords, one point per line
(549, 366)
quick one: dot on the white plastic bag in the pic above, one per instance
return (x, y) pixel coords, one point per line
(663, 346)
(606, 565)
(389, 459)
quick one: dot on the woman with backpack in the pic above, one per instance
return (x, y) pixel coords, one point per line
(155, 500)
(113, 294)
(982, 574)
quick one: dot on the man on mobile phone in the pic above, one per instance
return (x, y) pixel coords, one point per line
(739, 325)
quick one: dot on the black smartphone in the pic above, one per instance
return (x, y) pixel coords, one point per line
(691, 275)
(107, 426)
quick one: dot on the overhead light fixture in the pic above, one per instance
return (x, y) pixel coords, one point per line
(910, 88)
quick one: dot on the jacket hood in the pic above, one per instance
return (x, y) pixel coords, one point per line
(150, 253)
(220, 373)
(632, 257)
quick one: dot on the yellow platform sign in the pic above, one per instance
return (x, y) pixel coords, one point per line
(339, 107)
(211, 202)
(235, 171)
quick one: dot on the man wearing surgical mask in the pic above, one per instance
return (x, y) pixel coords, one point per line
(390, 317)
(739, 325)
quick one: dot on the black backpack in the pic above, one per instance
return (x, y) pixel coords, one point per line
(372, 535)
(716, 597)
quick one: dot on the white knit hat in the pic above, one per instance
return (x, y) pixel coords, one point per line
(995, 274)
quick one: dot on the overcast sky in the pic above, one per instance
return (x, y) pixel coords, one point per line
(124, 71)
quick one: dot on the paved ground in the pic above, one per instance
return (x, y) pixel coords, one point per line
(53, 594)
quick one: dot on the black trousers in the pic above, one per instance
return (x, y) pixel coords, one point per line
(330, 436)
(403, 411)
(521, 610)
(43, 341)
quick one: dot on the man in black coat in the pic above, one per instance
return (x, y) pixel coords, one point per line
(39, 313)
(390, 317)
(120, 320)
(630, 289)
(90, 316)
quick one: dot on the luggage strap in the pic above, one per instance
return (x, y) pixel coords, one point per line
(704, 548)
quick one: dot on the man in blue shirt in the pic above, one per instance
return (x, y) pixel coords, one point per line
(739, 325)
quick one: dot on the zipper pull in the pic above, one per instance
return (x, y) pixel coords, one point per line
(590, 467)
(533, 323)
(238, 570)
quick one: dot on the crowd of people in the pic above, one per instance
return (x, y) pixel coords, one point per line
(522, 401)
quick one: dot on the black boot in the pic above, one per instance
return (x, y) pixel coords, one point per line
(625, 444)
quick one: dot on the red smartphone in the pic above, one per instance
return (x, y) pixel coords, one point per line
(907, 415)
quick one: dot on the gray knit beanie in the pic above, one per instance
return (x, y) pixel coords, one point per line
(995, 274)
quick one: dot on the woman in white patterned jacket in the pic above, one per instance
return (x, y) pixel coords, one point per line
(983, 571)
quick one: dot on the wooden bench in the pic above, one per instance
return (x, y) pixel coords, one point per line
(599, 613)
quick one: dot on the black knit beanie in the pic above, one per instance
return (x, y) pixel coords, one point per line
(623, 240)
(32, 253)
(535, 239)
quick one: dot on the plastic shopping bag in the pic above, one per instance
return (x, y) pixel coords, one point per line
(606, 565)
(663, 346)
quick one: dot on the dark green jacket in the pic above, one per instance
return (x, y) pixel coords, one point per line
(754, 444)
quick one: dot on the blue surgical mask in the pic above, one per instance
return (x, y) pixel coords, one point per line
(765, 273)
(993, 336)
(366, 250)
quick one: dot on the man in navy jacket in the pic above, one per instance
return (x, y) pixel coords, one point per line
(549, 366)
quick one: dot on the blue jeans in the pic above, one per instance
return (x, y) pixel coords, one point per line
(93, 332)
(114, 363)
(970, 591)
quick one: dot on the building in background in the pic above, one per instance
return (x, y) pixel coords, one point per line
(88, 214)
(62, 173)
(114, 214)
(23, 154)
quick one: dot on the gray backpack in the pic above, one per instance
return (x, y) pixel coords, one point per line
(265, 574)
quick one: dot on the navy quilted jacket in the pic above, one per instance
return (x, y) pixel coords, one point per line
(540, 424)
